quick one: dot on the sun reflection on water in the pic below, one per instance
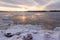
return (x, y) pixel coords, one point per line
(23, 18)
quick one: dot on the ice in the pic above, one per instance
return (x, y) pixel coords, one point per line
(57, 29)
(25, 30)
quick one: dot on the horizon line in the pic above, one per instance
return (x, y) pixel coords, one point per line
(34, 11)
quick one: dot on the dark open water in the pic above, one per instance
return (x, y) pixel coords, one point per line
(48, 20)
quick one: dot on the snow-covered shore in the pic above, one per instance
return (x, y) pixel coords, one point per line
(20, 32)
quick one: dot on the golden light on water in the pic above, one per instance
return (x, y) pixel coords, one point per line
(23, 18)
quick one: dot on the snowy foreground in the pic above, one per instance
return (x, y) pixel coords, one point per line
(20, 32)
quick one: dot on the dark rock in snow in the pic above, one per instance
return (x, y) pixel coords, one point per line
(29, 37)
(8, 35)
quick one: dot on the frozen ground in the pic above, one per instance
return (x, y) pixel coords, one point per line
(21, 31)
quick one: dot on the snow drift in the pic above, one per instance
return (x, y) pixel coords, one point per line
(25, 32)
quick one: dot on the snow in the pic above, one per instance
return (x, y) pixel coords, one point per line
(29, 29)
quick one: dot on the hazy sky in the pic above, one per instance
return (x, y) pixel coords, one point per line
(24, 5)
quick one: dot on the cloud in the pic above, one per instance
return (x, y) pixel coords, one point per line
(7, 3)
(11, 9)
(55, 6)
(30, 4)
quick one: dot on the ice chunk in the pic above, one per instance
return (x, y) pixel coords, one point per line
(57, 29)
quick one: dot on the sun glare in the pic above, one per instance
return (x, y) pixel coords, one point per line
(35, 8)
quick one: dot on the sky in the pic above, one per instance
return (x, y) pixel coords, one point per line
(29, 5)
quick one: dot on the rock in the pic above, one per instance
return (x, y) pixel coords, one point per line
(8, 35)
(29, 37)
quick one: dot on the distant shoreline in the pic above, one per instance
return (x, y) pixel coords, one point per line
(34, 11)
